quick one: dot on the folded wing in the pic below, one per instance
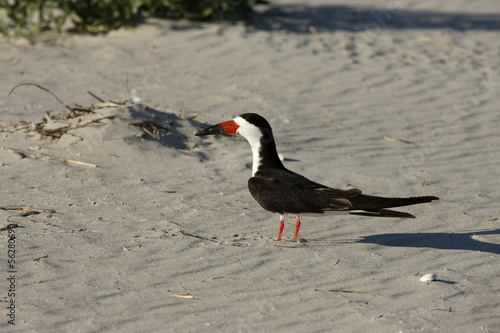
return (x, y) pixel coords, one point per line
(291, 193)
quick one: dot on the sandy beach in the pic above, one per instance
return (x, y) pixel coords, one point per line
(153, 229)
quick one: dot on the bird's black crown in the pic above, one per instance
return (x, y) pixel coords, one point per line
(256, 120)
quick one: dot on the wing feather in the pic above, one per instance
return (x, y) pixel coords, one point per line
(282, 196)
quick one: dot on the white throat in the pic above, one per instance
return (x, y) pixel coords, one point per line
(253, 135)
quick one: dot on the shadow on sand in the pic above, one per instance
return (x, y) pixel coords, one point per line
(297, 18)
(163, 127)
(438, 240)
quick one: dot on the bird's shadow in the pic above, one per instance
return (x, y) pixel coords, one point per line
(163, 127)
(438, 240)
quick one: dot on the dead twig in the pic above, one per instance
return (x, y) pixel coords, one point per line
(60, 131)
(40, 87)
(19, 153)
(445, 310)
(79, 108)
(28, 209)
(180, 295)
(68, 160)
(151, 127)
(23, 155)
(54, 132)
(199, 237)
(108, 104)
(95, 96)
(42, 257)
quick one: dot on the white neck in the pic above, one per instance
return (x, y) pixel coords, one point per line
(256, 157)
(253, 135)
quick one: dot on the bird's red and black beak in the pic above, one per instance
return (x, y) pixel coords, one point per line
(227, 127)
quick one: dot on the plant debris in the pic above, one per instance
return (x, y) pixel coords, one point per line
(161, 126)
(388, 138)
(199, 237)
(22, 154)
(56, 126)
(28, 209)
(42, 257)
(68, 160)
(180, 295)
(152, 128)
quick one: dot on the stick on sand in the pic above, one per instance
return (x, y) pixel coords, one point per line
(28, 209)
(68, 160)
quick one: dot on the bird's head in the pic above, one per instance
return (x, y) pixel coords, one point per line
(251, 126)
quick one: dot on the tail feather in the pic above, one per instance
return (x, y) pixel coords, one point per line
(377, 204)
(384, 213)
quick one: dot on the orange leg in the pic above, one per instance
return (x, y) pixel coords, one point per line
(297, 227)
(282, 225)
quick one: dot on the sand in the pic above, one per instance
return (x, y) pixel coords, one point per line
(163, 234)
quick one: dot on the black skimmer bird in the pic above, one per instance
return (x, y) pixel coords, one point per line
(285, 192)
